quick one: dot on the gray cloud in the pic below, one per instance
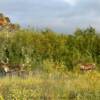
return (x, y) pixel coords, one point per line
(56, 14)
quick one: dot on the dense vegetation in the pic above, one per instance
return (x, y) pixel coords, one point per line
(50, 54)
(36, 49)
(54, 87)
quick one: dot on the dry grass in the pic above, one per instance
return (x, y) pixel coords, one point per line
(52, 86)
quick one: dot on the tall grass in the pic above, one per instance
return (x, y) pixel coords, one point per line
(58, 87)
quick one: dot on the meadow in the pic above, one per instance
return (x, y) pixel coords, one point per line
(54, 86)
(54, 60)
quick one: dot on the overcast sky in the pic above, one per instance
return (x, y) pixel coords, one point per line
(59, 15)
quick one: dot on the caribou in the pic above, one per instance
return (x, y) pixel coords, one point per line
(87, 67)
(13, 70)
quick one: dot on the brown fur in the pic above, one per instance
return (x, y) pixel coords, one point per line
(14, 70)
(86, 67)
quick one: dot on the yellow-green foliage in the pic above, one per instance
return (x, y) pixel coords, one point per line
(51, 66)
(39, 87)
(32, 48)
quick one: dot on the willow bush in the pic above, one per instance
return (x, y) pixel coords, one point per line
(32, 48)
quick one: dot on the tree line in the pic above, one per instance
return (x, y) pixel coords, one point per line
(32, 48)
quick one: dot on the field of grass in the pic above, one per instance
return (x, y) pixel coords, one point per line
(55, 59)
(54, 86)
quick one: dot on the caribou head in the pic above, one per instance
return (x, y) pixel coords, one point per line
(4, 66)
